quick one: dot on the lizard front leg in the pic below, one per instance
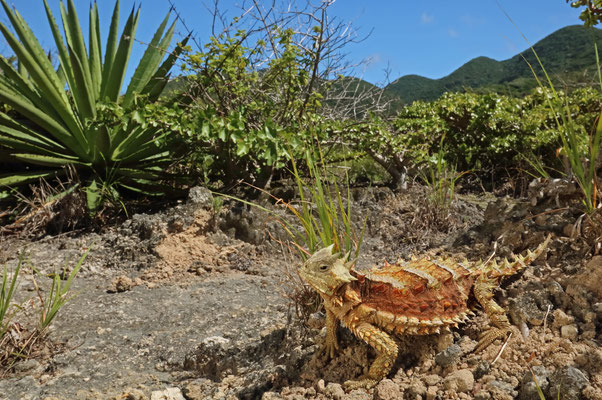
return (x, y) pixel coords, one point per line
(386, 354)
(483, 291)
(331, 345)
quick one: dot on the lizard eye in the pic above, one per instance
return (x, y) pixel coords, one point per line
(323, 267)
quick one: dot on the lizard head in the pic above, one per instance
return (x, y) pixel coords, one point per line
(326, 272)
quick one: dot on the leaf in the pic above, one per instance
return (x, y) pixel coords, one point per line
(110, 50)
(46, 160)
(118, 65)
(93, 197)
(22, 178)
(149, 62)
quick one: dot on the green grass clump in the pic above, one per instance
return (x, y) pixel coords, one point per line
(7, 292)
(24, 340)
(580, 147)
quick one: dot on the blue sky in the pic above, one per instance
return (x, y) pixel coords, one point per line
(431, 39)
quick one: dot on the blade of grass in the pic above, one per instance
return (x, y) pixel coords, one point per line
(58, 295)
(7, 292)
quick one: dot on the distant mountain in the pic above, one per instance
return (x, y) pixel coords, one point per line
(566, 54)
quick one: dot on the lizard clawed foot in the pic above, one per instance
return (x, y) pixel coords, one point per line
(329, 350)
(490, 336)
(361, 383)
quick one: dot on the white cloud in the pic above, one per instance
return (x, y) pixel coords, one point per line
(374, 58)
(453, 33)
(426, 18)
(469, 20)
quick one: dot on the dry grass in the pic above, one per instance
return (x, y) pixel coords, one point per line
(49, 208)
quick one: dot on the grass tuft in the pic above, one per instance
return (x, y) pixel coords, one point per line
(19, 340)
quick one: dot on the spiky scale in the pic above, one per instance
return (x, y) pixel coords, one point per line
(417, 297)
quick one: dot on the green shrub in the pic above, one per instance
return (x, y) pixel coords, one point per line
(484, 133)
(250, 122)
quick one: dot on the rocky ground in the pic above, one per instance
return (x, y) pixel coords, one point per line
(189, 303)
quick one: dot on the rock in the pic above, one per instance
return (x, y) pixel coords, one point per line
(416, 388)
(358, 394)
(210, 356)
(431, 392)
(27, 365)
(501, 390)
(529, 307)
(194, 391)
(387, 390)
(482, 395)
(335, 390)
(270, 396)
(561, 319)
(460, 381)
(179, 222)
(528, 388)
(569, 331)
(567, 383)
(432, 380)
(133, 394)
(121, 284)
(482, 369)
(448, 356)
(167, 394)
(598, 309)
(145, 226)
(200, 197)
(557, 292)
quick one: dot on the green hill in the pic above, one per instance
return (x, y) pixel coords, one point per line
(567, 54)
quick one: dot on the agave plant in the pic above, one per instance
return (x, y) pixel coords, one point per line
(61, 114)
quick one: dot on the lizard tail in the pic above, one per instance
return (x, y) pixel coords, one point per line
(507, 268)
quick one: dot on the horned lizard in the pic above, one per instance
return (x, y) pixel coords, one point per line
(418, 297)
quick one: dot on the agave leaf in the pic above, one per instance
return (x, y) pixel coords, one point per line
(14, 128)
(36, 72)
(21, 142)
(95, 50)
(161, 75)
(141, 173)
(157, 89)
(52, 126)
(93, 197)
(76, 46)
(128, 142)
(151, 188)
(149, 62)
(60, 72)
(62, 49)
(118, 66)
(30, 45)
(58, 99)
(45, 160)
(110, 50)
(139, 145)
(74, 37)
(18, 80)
(24, 177)
(83, 93)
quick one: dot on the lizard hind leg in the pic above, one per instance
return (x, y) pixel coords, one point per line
(386, 354)
(483, 291)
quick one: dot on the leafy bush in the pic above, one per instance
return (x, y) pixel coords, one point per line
(483, 132)
(249, 120)
(75, 115)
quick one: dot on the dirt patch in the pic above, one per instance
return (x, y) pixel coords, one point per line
(170, 305)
